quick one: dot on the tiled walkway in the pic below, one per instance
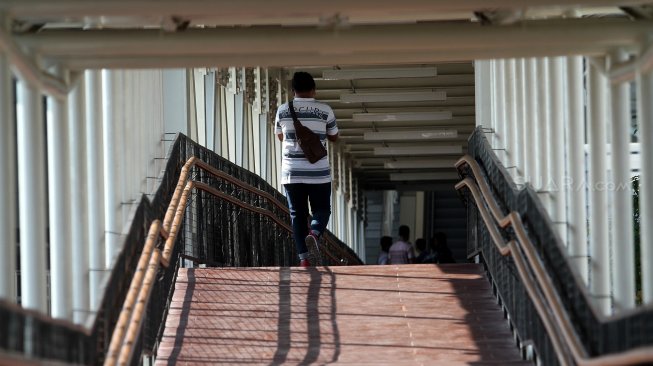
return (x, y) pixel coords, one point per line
(375, 315)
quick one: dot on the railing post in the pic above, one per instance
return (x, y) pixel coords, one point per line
(7, 183)
(599, 236)
(645, 113)
(623, 272)
(576, 183)
(59, 210)
(31, 195)
(94, 163)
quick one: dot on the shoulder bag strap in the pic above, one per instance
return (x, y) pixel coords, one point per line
(294, 117)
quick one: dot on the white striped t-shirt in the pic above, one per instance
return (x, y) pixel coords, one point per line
(319, 118)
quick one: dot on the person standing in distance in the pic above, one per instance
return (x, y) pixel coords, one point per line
(305, 182)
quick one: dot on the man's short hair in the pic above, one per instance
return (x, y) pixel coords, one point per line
(302, 82)
(404, 232)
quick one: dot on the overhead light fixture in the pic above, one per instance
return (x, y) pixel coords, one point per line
(418, 150)
(402, 116)
(422, 176)
(410, 135)
(420, 164)
(413, 72)
(423, 96)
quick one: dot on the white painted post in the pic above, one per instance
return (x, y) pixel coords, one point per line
(543, 133)
(531, 122)
(94, 153)
(645, 112)
(78, 218)
(8, 207)
(112, 209)
(59, 209)
(575, 185)
(509, 110)
(558, 144)
(500, 102)
(622, 207)
(519, 103)
(31, 196)
(599, 249)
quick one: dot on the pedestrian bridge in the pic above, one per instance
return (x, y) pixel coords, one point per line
(211, 277)
(141, 213)
(380, 315)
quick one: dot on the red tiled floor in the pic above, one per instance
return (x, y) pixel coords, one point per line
(381, 315)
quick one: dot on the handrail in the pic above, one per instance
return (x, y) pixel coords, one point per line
(171, 213)
(132, 295)
(509, 249)
(126, 329)
(560, 319)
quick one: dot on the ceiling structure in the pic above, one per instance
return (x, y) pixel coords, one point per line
(398, 74)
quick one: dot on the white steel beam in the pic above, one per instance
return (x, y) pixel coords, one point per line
(257, 9)
(402, 116)
(419, 164)
(389, 73)
(578, 250)
(371, 44)
(8, 207)
(31, 195)
(622, 200)
(95, 181)
(418, 150)
(59, 209)
(413, 135)
(599, 239)
(645, 113)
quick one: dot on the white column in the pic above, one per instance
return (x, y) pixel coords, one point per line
(645, 113)
(509, 103)
(575, 185)
(493, 103)
(31, 196)
(499, 105)
(112, 216)
(78, 218)
(558, 143)
(543, 133)
(530, 122)
(59, 210)
(95, 173)
(622, 199)
(7, 184)
(519, 103)
(599, 250)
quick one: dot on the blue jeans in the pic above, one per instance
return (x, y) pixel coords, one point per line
(299, 195)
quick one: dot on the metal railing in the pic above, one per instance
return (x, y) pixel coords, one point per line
(550, 318)
(209, 187)
(231, 217)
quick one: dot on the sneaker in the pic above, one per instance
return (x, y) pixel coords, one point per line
(311, 241)
(304, 263)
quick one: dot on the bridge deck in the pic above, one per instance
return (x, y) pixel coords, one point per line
(382, 315)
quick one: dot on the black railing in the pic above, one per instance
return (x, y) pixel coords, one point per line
(215, 232)
(598, 334)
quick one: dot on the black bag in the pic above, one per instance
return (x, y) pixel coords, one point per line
(307, 139)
